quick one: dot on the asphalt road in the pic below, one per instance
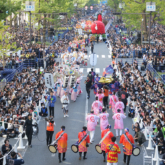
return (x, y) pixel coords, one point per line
(39, 153)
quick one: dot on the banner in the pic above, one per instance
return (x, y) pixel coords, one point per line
(49, 83)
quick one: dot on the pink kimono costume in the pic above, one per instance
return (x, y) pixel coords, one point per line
(55, 91)
(97, 107)
(79, 91)
(63, 90)
(74, 93)
(58, 89)
(119, 105)
(113, 100)
(103, 120)
(100, 96)
(92, 122)
(118, 117)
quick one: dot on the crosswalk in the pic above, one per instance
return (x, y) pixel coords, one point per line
(102, 56)
(85, 71)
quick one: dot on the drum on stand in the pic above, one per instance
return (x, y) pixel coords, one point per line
(53, 148)
(74, 147)
(98, 148)
(136, 151)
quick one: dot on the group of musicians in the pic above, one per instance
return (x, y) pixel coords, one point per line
(108, 144)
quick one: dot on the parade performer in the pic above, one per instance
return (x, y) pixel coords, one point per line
(117, 84)
(74, 93)
(104, 119)
(119, 105)
(113, 101)
(58, 89)
(79, 91)
(55, 90)
(62, 143)
(127, 146)
(100, 95)
(50, 131)
(65, 101)
(95, 88)
(113, 150)
(97, 79)
(92, 123)
(118, 117)
(83, 146)
(63, 91)
(97, 106)
(93, 75)
(107, 140)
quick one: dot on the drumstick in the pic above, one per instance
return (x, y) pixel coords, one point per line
(104, 137)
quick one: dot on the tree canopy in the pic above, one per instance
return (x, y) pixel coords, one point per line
(7, 7)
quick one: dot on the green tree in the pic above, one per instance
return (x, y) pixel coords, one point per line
(7, 7)
(141, 21)
(114, 4)
(5, 44)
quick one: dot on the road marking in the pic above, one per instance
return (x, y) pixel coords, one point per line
(88, 70)
(81, 70)
(97, 70)
(103, 69)
(53, 155)
(109, 56)
(97, 56)
(66, 163)
(86, 111)
(103, 56)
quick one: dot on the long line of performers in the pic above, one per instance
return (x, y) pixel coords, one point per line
(108, 140)
(67, 79)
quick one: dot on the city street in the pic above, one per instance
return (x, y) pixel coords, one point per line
(40, 154)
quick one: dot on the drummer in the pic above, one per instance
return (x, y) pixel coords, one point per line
(127, 146)
(113, 151)
(107, 140)
(62, 143)
(83, 146)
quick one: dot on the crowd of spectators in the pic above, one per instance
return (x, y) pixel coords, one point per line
(146, 99)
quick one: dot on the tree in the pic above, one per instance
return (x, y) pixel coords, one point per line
(114, 4)
(142, 20)
(7, 8)
(5, 44)
(138, 21)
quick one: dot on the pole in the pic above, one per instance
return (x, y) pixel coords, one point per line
(150, 29)
(30, 29)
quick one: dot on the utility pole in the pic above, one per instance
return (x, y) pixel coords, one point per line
(30, 29)
(150, 29)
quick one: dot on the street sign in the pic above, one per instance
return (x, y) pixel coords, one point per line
(150, 6)
(49, 82)
(30, 6)
(116, 13)
(121, 5)
(91, 7)
(93, 59)
(86, 7)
